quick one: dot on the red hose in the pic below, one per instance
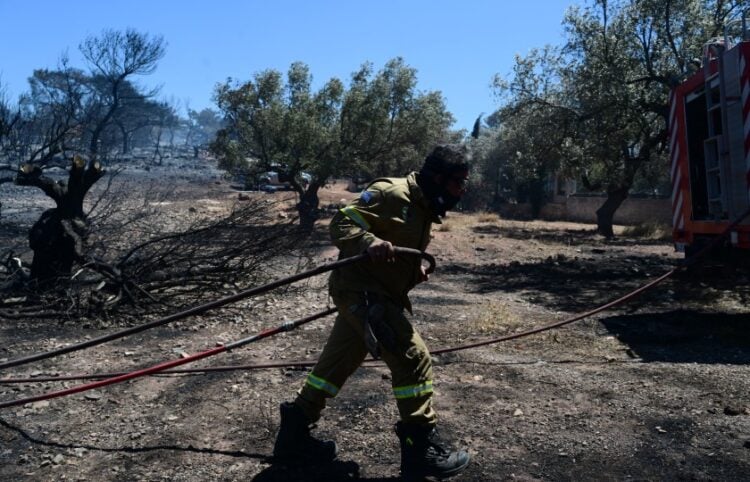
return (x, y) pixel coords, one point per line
(117, 379)
(308, 363)
(164, 366)
(168, 364)
(195, 310)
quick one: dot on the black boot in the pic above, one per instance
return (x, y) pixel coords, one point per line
(423, 456)
(295, 445)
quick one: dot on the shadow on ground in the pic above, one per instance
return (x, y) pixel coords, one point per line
(555, 235)
(28, 439)
(575, 284)
(684, 336)
(564, 283)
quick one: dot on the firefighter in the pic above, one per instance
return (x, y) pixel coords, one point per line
(371, 298)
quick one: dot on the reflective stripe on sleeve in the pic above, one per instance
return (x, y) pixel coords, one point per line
(413, 391)
(352, 213)
(320, 384)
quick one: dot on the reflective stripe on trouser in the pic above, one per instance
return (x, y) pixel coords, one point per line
(410, 363)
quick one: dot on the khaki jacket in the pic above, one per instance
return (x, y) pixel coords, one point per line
(391, 209)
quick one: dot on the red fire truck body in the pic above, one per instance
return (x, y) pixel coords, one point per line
(709, 140)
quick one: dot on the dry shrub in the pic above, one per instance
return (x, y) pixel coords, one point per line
(488, 217)
(495, 318)
(649, 230)
(458, 221)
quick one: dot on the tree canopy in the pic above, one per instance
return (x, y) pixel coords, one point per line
(603, 95)
(72, 110)
(379, 124)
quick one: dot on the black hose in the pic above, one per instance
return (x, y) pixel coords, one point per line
(196, 310)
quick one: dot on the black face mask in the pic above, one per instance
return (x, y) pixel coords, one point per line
(444, 203)
(440, 200)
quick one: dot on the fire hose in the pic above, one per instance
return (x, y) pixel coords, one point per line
(197, 310)
(189, 312)
(113, 378)
(307, 363)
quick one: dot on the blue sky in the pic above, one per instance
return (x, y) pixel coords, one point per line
(456, 46)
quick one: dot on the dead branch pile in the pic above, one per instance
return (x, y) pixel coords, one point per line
(140, 258)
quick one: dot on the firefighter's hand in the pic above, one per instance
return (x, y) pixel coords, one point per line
(423, 276)
(382, 251)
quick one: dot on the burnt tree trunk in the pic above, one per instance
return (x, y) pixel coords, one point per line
(105, 121)
(125, 138)
(157, 149)
(57, 238)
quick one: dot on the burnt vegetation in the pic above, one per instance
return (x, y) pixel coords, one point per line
(107, 246)
(127, 257)
(590, 110)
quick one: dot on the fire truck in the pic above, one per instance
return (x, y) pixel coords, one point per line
(709, 141)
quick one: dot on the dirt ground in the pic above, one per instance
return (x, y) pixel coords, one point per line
(653, 390)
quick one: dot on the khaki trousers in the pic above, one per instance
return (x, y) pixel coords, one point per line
(409, 361)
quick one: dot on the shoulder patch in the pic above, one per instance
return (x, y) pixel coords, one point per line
(366, 196)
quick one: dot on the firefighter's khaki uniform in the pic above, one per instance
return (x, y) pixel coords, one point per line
(395, 210)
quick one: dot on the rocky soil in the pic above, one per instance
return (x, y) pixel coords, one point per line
(653, 390)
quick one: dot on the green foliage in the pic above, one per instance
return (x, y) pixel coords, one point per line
(596, 108)
(202, 126)
(377, 125)
(271, 124)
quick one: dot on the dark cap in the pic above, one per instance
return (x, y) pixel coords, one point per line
(446, 159)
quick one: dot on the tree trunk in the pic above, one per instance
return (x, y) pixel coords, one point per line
(104, 121)
(606, 213)
(157, 149)
(125, 139)
(171, 140)
(57, 243)
(617, 192)
(537, 197)
(58, 236)
(308, 207)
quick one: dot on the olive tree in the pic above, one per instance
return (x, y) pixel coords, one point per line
(379, 124)
(608, 87)
(201, 127)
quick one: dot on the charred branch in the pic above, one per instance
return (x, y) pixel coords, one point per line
(33, 175)
(161, 270)
(68, 194)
